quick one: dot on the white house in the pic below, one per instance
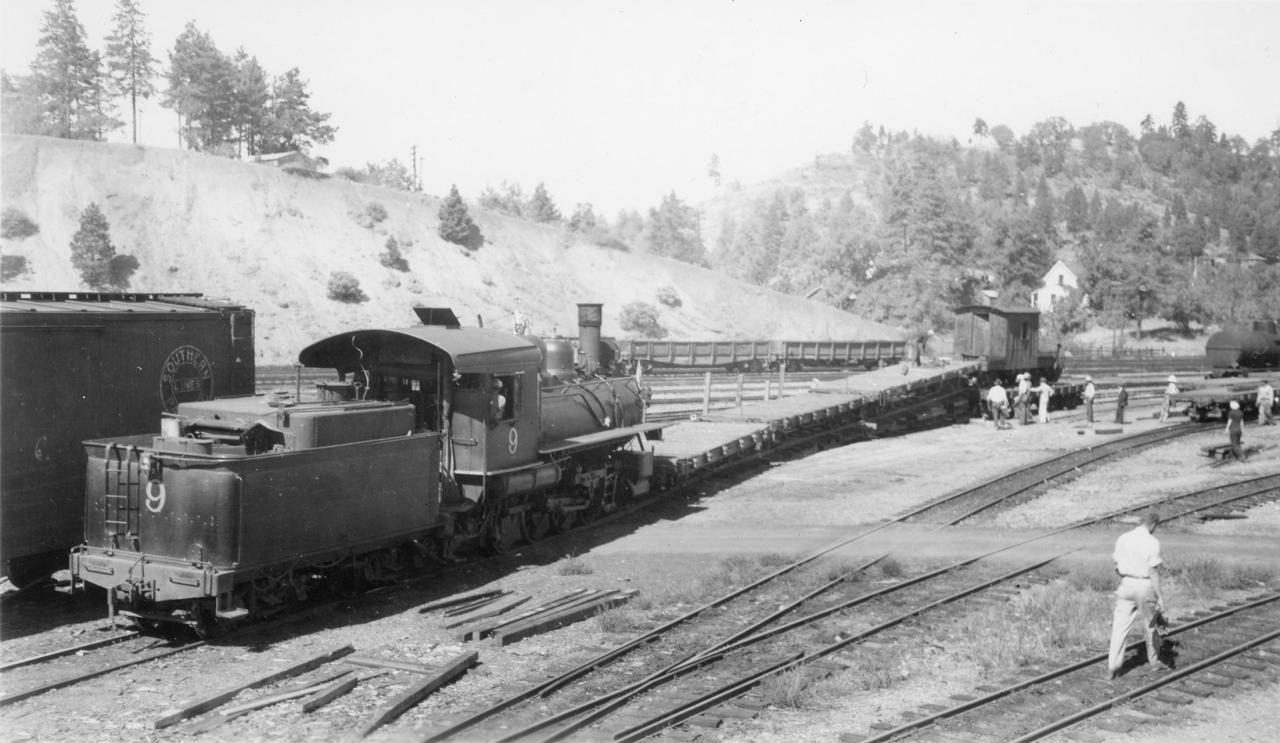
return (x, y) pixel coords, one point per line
(1056, 283)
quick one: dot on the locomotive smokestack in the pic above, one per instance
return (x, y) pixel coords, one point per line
(589, 319)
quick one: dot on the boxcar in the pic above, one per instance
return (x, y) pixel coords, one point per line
(78, 366)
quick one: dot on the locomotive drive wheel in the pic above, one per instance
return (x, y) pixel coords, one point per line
(535, 525)
(506, 533)
(562, 521)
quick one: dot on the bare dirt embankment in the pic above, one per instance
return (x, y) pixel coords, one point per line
(271, 240)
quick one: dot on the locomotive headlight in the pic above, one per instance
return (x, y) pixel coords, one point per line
(170, 428)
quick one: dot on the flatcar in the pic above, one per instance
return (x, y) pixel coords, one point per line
(431, 439)
(84, 365)
(1006, 342)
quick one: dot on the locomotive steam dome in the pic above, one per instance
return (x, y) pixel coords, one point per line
(558, 357)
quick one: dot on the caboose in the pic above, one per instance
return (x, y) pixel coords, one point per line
(1006, 342)
(431, 439)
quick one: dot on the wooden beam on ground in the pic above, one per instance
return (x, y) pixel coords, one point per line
(473, 605)
(335, 690)
(492, 610)
(485, 627)
(419, 691)
(400, 665)
(200, 706)
(488, 627)
(460, 598)
(538, 625)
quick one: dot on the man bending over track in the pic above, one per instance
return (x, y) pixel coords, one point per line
(1137, 559)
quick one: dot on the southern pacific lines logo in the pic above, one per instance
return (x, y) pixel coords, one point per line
(186, 376)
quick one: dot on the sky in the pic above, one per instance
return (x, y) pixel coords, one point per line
(620, 102)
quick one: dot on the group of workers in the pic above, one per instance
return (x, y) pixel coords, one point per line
(998, 401)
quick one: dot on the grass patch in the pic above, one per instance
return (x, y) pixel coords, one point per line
(574, 566)
(624, 620)
(1045, 622)
(1204, 577)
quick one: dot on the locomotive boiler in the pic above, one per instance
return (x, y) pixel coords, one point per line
(431, 439)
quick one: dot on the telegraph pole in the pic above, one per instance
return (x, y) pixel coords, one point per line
(413, 157)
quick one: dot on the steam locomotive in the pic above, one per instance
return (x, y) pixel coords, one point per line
(432, 439)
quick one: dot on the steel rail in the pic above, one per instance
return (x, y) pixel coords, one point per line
(1194, 668)
(72, 680)
(1055, 674)
(740, 686)
(549, 686)
(94, 645)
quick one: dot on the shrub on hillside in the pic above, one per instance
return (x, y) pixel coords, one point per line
(301, 172)
(669, 296)
(455, 222)
(93, 255)
(15, 225)
(391, 257)
(612, 243)
(641, 318)
(375, 212)
(12, 266)
(343, 287)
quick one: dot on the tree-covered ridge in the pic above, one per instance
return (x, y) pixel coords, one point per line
(225, 104)
(1182, 222)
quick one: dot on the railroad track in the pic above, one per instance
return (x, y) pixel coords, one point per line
(1017, 487)
(662, 675)
(1216, 649)
(108, 655)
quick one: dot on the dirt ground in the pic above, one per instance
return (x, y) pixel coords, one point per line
(787, 508)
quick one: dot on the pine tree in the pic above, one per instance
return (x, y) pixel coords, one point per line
(455, 222)
(541, 208)
(201, 81)
(293, 125)
(251, 94)
(64, 74)
(129, 60)
(92, 251)
(674, 231)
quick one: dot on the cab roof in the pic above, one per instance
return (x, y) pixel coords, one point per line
(471, 350)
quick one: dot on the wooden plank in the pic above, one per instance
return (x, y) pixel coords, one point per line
(473, 605)
(486, 627)
(419, 691)
(459, 598)
(337, 689)
(492, 610)
(517, 632)
(200, 706)
(282, 695)
(401, 665)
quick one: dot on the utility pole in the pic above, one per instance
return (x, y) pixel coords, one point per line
(413, 157)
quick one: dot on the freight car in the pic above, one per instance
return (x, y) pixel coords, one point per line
(431, 439)
(1006, 342)
(758, 355)
(84, 365)
(1234, 353)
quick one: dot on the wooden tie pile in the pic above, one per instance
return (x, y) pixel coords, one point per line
(504, 616)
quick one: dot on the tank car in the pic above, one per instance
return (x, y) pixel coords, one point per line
(431, 439)
(84, 365)
(1236, 353)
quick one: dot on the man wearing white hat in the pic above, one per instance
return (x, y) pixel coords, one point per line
(1265, 400)
(1169, 391)
(1088, 398)
(1235, 430)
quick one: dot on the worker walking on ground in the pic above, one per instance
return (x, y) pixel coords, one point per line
(1045, 391)
(998, 401)
(1235, 430)
(1265, 401)
(1137, 560)
(1089, 392)
(1169, 391)
(1122, 402)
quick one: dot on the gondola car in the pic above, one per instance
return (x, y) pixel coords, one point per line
(84, 365)
(432, 439)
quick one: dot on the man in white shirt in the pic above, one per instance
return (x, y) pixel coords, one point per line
(1265, 400)
(1089, 393)
(1137, 559)
(998, 401)
(1170, 390)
